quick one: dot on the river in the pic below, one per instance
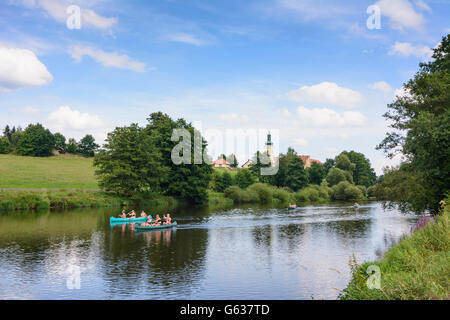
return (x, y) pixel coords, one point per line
(239, 253)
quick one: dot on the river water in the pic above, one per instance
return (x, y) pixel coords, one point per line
(239, 253)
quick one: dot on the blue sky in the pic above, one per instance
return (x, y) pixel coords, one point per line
(312, 70)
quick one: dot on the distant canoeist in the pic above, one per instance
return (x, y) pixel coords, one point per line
(292, 205)
(143, 214)
(356, 205)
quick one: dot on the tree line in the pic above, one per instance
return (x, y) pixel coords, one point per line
(37, 141)
(349, 175)
(420, 120)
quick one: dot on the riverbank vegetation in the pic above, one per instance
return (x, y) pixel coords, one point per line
(416, 268)
(420, 119)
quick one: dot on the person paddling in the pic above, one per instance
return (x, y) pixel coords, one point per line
(157, 221)
(168, 219)
(124, 215)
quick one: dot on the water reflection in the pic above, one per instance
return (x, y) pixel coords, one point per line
(241, 253)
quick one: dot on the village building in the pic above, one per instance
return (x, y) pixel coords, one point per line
(221, 163)
(307, 160)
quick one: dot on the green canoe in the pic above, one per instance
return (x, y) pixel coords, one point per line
(144, 228)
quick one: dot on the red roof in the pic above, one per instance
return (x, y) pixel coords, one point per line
(221, 161)
(316, 161)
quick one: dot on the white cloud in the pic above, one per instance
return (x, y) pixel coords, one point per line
(21, 68)
(326, 118)
(422, 5)
(300, 142)
(327, 92)
(107, 59)
(407, 49)
(381, 85)
(234, 117)
(185, 38)
(401, 14)
(28, 111)
(57, 9)
(66, 118)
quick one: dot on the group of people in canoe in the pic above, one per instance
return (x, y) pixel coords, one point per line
(157, 221)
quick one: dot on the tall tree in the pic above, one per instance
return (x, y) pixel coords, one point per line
(72, 146)
(60, 143)
(7, 133)
(316, 173)
(328, 164)
(363, 173)
(87, 146)
(296, 174)
(188, 181)
(129, 164)
(233, 160)
(36, 141)
(421, 122)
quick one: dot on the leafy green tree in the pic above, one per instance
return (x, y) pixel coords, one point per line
(329, 163)
(233, 160)
(129, 164)
(279, 179)
(87, 146)
(296, 174)
(261, 160)
(363, 173)
(336, 175)
(36, 141)
(5, 146)
(344, 163)
(421, 123)
(16, 135)
(244, 178)
(72, 146)
(60, 143)
(187, 181)
(7, 133)
(403, 186)
(223, 181)
(316, 173)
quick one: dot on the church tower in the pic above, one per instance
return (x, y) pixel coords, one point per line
(269, 146)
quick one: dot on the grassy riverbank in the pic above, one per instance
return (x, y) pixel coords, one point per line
(45, 199)
(417, 268)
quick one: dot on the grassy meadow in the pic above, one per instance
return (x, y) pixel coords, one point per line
(63, 171)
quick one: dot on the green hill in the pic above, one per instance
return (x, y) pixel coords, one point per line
(64, 171)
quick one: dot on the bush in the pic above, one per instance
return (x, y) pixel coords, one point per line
(282, 195)
(234, 193)
(5, 146)
(344, 190)
(263, 191)
(363, 190)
